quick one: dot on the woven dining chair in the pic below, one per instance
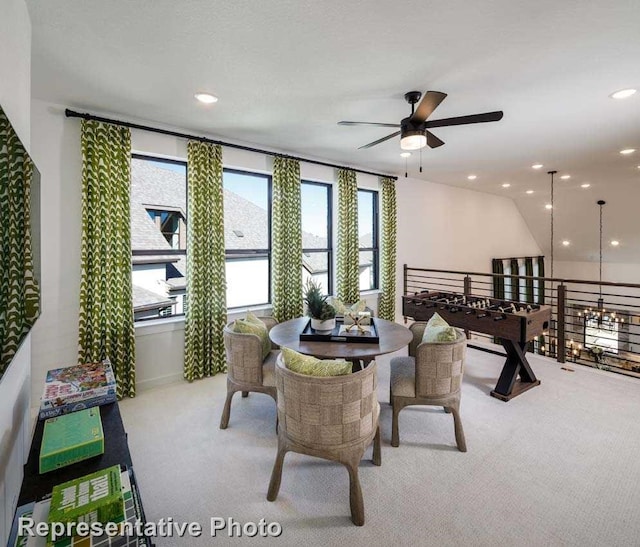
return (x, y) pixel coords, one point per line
(330, 417)
(246, 369)
(431, 375)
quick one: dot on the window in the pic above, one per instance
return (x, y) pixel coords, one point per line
(247, 234)
(368, 238)
(316, 234)
(158, 236)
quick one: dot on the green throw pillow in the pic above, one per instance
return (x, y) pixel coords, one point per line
(244, 326)
(312, 366)
(251, 318)
(436, 321)
(438, 330)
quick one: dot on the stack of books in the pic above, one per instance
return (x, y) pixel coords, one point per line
(76, 388)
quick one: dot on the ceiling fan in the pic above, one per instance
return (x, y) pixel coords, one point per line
(414, 129)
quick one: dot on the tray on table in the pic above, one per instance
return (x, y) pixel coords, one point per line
(339, 334)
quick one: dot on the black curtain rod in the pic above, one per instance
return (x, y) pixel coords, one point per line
(85, 116)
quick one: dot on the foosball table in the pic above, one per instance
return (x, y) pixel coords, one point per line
(514, 323)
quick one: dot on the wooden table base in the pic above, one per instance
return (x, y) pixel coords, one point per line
(508, 385)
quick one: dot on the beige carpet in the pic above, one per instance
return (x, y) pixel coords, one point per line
(559, 465)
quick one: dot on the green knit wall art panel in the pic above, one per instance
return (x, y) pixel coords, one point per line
(286, 265)
(19, 292)
(348, 275)
(206, 286)
(106, 307)
(387, 302)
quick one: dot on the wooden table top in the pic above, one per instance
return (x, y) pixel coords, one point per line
(392, 338)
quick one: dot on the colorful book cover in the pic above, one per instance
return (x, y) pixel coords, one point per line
(78, 383)
(71, 438)
(93, 498)
(74, 407)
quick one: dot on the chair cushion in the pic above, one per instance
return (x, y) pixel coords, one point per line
(312, 366)
(403, 376)
(438, 330)
(244, 326)
(269, 369)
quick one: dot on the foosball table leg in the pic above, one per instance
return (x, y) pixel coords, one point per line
(516, 365)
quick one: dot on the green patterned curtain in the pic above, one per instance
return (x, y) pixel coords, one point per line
(19, 292)
(498, 282)
(387, 302)
(348, 273)
(206, 287)
(286, 263)
(515, 280)
(528, 271)
(106, 307)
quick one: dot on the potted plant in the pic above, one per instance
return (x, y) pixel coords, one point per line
(322, 314)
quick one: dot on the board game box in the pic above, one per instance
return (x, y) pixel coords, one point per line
(71, 438)
(93, 498)
(66, 387)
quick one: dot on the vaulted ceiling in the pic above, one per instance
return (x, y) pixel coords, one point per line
(286, 72)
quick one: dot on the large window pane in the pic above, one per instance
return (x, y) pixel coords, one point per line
(315, 215)
(247, 281)
(316, 233)
(365, 219)
(368, 238)
(158, 236)
(246, 211)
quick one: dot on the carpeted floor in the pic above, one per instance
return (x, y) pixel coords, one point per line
(559, 465)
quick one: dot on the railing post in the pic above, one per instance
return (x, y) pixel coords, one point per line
(467, 285)
(404, 289)
(561, 349)
(467, 292)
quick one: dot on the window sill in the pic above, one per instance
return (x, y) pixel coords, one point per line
(169, 324)
(155, 326)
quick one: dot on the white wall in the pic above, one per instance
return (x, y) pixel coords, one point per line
(15, 430)
(611, 271)
(444, 227)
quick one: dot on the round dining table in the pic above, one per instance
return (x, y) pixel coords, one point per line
(392, 338)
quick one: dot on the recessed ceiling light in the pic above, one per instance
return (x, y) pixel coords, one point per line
(627, 151)
(565, 177)
(566, 242)
(548, 206)
(585, 185)
(506, 185)
(623, 94)
(537, 166)
(405, 154)
(615, 242)
(529, 191)
(472, 177)
(206, 98)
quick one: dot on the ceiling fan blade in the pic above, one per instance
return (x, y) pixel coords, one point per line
(433, 141)
(380, 140)
(462, 120)
(427, 105)
(370, 123)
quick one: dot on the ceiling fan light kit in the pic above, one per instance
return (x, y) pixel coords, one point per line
(414, 129)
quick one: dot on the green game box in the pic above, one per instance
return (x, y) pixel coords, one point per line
(93, 498)
(71, 438)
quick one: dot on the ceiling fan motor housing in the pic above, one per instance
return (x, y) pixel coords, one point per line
(408, 127)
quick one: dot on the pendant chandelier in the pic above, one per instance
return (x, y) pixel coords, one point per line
(599, 314)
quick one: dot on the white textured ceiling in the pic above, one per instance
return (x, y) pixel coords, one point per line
(287, 71)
